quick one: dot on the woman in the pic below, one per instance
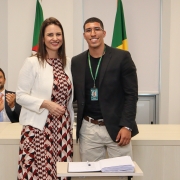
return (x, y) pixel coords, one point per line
(45, 92)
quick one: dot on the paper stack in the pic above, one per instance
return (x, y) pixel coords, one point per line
(117, 164)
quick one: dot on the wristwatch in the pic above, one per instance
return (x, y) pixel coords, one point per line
(128, 128)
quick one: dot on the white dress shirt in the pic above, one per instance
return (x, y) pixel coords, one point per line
(4, 115)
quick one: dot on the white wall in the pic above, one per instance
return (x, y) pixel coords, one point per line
(17, 23)
(3, 36)
(174, 78)
(165, 63)
(143, 34)
(170, 63)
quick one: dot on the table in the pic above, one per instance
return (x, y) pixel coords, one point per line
(156, 149)
(62, 170)
(3, 125)
(9, 148)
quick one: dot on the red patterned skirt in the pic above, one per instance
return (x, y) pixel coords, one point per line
(40, 150)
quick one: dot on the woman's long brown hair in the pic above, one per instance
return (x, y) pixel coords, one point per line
(42, 53)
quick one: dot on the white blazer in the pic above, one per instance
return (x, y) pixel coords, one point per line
(35, 85)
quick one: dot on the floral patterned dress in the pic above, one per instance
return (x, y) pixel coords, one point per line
(40, 150)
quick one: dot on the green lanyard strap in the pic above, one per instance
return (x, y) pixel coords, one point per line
(97, 68)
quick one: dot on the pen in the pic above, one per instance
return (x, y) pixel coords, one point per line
(88, 163)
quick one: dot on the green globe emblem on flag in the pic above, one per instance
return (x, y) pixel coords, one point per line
(37, 25)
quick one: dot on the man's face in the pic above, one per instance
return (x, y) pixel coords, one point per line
(2, 81)
(94, 34)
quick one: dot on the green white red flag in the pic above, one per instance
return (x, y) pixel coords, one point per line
(37, 25)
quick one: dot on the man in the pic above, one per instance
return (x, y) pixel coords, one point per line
(106, 90)
(9, 109)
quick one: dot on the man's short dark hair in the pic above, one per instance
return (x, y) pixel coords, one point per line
(93, 19)
(2, 73)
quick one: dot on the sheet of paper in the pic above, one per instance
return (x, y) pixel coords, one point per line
(83, 167)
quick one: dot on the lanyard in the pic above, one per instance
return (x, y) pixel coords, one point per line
(97, 68)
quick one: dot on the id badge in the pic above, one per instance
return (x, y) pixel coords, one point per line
(94, 94)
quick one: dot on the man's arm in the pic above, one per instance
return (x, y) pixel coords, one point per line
(130, 87)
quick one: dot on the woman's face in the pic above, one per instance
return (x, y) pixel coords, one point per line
(53, 39)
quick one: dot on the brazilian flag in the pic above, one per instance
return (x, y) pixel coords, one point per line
(119, 39)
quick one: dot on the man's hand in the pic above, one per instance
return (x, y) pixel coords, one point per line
(1, 102)
(10, 98)
(124, 137)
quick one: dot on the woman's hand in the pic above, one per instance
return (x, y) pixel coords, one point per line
(54, 108)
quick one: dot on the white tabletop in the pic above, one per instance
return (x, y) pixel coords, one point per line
(10, 134)
(155, 134)
(62, 170)
(3, 125)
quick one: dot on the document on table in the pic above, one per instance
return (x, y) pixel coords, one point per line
(117, 164)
